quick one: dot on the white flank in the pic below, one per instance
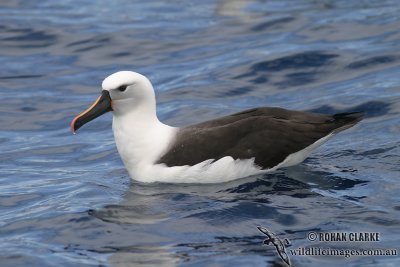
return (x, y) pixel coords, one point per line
(300, 156)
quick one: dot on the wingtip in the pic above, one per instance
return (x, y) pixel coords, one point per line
(349, 118)
(354, 115)
(261, 229)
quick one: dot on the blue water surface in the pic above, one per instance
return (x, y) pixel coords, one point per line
(67, 200)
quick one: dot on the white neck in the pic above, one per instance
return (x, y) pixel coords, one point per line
(140, 137)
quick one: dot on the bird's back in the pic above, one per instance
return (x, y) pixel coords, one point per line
(268, 135)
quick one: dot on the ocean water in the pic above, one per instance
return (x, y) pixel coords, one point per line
(66, 200)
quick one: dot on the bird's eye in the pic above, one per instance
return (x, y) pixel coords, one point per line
(122, 88)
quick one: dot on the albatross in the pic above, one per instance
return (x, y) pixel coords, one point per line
(250, 142)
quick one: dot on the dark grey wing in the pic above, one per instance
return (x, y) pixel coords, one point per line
(280, 248)
(270, 112)
(266, 232)
(267, 134)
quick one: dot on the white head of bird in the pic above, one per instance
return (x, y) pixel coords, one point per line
(138, 133)
(130, 91)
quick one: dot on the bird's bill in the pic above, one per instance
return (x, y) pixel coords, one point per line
(98, 108)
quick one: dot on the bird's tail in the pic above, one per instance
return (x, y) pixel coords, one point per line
(347, 120)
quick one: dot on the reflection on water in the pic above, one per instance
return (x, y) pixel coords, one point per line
(68, 201)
